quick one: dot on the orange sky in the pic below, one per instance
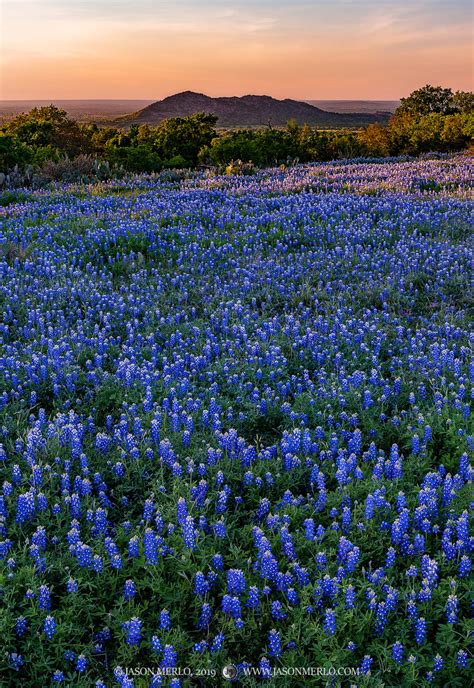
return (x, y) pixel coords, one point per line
(348, 49)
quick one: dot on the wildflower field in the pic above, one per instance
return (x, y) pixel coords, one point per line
(235, 428)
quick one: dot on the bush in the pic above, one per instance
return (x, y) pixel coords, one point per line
(13, 152)
(12, 251)
(134, 159)
(83, 168)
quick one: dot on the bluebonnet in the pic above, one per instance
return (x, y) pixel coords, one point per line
(381, 616)
(133, 546)
(150, 546)
(129, 590)
(274, 643)
(21, 626)
(398, 652)
(156, 644)
(420, 630)
(231, 606)
(452, 609)
(253, 597)
(265, 668)
(277, 610)
(235, 581)
(81, 664)
(205, 615)
(44, 597)
(329, 623)
(350, 597)
(15, 660)
(217, 642)
(169, 656)
(200, 647)
(49, 626)
(133, 631)
(201, 586)
(71, 585)
(189, 536)
(181, 511)
(165, 621)
(465, 566)
(218, 561)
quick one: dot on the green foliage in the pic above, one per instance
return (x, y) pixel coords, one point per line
(13, 152)
(184, 136)
(265, 147)
(428, 99)
(134, 159)
(47, 141)
(9, 197)
(239, 145)
(409, 134)
(49, 126)
(376, 139)
(464, 101)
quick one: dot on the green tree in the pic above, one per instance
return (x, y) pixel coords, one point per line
(232, 146)
(134, 158)
(184, 136)
(49, 126)
(13, 152)
(274, 146)
(375, 140)
(464, 101)
(103, 137)
(458, 131)
(427, 99)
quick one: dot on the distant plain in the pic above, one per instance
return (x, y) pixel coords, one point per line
(85, 110)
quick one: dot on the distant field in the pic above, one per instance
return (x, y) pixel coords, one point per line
(79, 109)
(86, 110)
(368, 106)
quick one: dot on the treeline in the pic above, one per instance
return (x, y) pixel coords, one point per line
(49, 143)
(45, 137)
(430, 119)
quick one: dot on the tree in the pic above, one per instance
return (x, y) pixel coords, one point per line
(426, 100)
(236, 145)
(273, 146)
(184, 136)
(458, 131)
(49, 126)
(375, 140)
(100, 138)
(134, 158)
(464, 101)
(13, 152)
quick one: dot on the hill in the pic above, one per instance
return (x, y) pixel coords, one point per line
(247, 111)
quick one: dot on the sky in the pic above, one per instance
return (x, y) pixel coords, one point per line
(304, 49)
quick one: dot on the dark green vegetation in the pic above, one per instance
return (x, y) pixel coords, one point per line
(45, 144)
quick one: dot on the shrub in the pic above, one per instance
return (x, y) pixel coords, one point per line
(83, 168)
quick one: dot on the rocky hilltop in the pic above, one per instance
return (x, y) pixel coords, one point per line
(247, 111)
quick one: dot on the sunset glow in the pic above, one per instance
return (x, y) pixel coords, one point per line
(303, 49)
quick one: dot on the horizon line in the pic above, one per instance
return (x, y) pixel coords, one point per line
(50, 98)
